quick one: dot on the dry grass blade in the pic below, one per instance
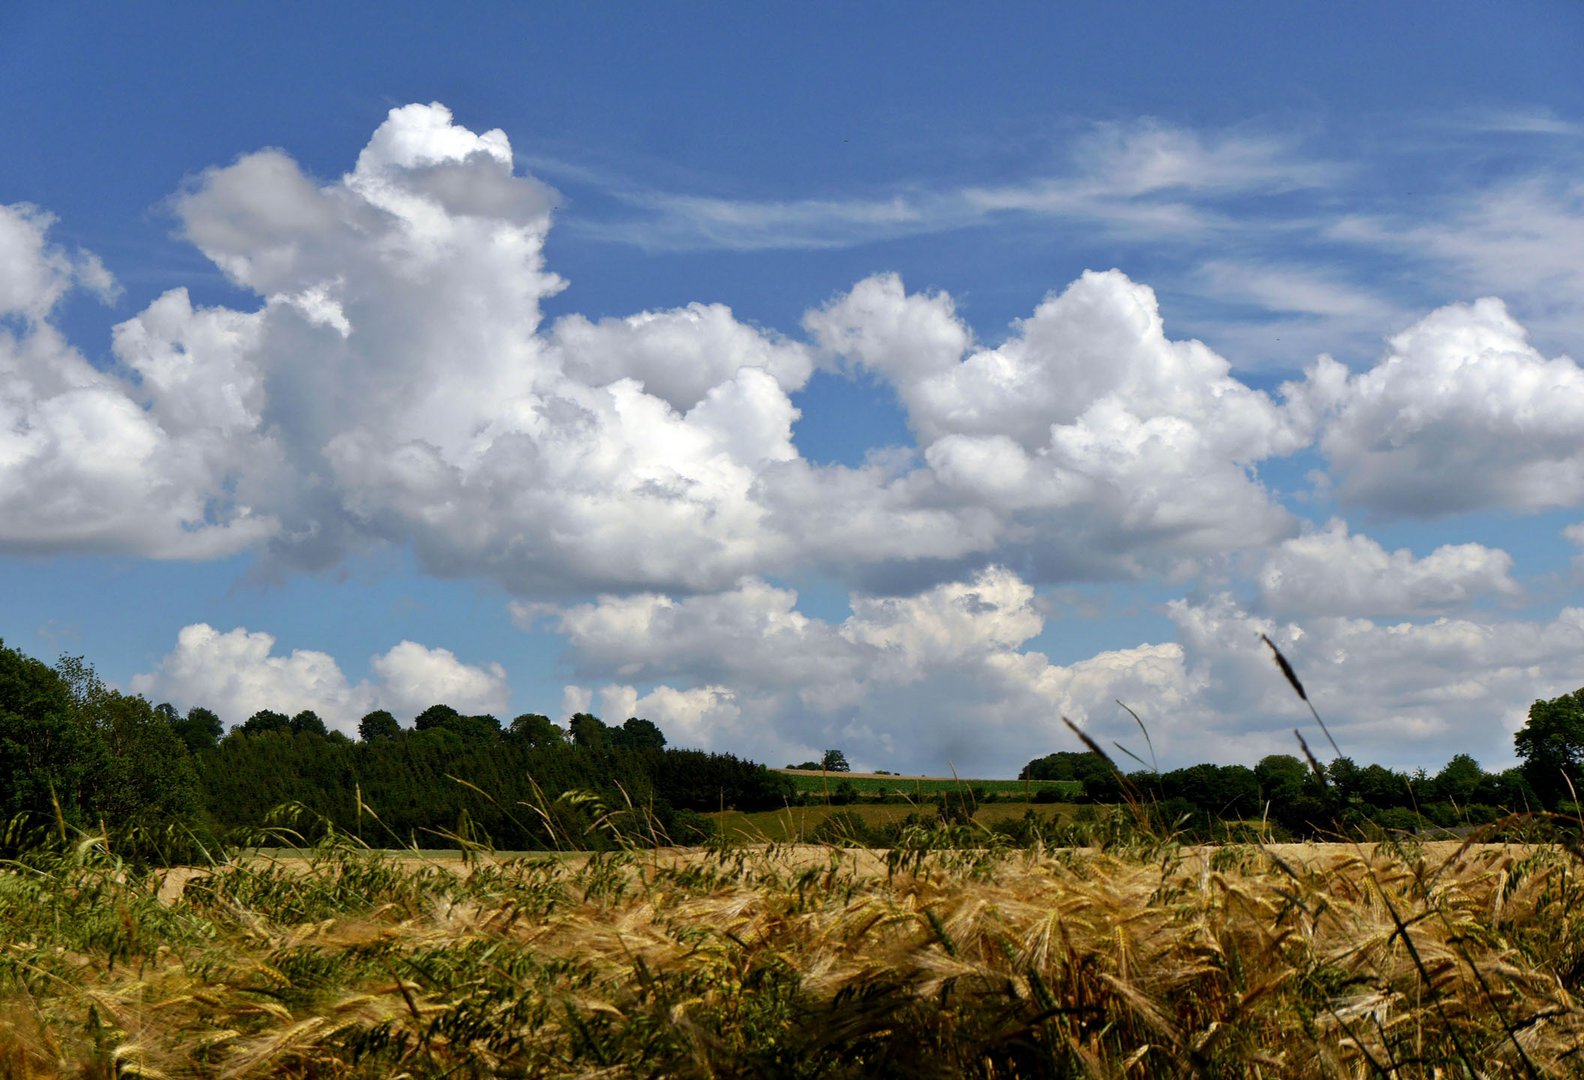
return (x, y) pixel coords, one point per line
(1292, 679)
(1154, 767)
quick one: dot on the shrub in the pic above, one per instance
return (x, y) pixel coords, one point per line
(844, 829)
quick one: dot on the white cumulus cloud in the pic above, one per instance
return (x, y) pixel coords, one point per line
(238, 672)
(395, 385)
(1089, 427)
(399, 362)
(1329, 572)
(413, 677)
(1463, 414)
(83, 465)
(933, 681)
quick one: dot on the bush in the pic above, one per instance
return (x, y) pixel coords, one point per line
(844, 829)
(689, 827)
(1398, 820)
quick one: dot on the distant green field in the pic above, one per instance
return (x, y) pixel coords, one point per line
(921, 787)
(796, 824)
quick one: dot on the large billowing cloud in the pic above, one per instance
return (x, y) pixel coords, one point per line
(237, 672)
(395, 385)
(1463, 414)
(1089, 432)
(83, 465)
(402, 372)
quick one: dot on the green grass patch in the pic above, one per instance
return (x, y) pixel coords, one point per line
(917, 787)
(797, 824)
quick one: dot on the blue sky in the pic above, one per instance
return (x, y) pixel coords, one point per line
(890, 377)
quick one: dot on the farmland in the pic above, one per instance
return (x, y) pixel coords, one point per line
(802, 824)
(922, 787)
(1138, 957)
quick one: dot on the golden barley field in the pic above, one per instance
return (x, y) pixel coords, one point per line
(1145, 958)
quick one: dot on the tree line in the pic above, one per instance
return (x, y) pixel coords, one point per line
(75, 753)
(1304, 799)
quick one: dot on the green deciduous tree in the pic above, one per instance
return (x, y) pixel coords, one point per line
(1220, 791)
(1383, 789)
(467, 728)
(480, 728)
(199, 730)
(265, 721)
(146, 773)
(1459, 780)
(638, 734)
(536, 730)
(588, 731)
(46, 752)
(1101, 782)
(1282, 776)
(434, 716)
(68, 741)
(149, 773)
(1343, 774)
(835, 761)
(307, 722)
(1508, 790)
(378, 724)
(1551, 747)
(1063, 765)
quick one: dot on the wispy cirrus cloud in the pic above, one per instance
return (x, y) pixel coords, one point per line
(1275, 309)
(691, 222)
(1516, 122)
(1295, 290)
(1145, 178)
(1115, 162)
(1520, 239)
(1311, 229)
